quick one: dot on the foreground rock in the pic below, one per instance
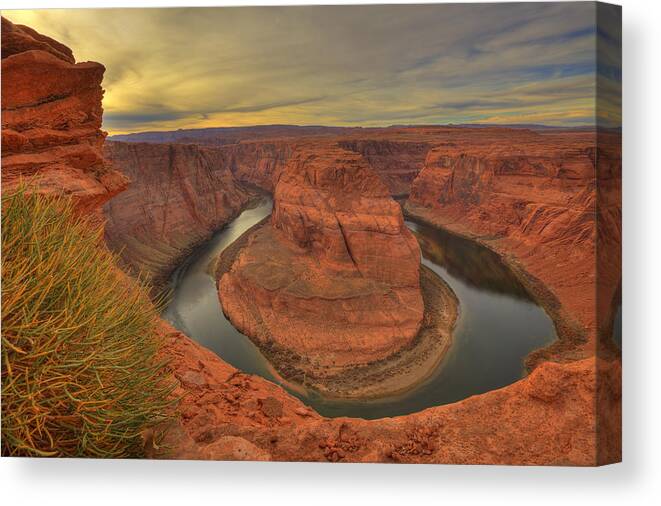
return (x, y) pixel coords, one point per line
(335, 277)
(545, 419)
(51, 120)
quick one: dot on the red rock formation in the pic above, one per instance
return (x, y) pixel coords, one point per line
(258, 163)
(179, 195)
(609, 228)
(545, 419)
(397, 163)
(336, 277)
(51, 120)
(531, 196)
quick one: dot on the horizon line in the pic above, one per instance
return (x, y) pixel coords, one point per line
(397, 125)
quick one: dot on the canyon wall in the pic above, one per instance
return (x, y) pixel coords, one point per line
(179, 195)
(335, 277)
(258, 163)
(532, 197)
(396, 162)
(609, 229)
(258, 154)
(51, 120)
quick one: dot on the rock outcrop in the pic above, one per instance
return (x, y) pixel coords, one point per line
(335, 277)
(609, 230)
(545, 419)
(51, 120)
(179, 195)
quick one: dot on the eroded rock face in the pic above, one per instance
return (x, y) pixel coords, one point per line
(51, 120)
(331, 203)
(258, 163)
(545, 419)
(396, 162)
(179, 195)
(532, 197)
(534, 188)
(335, 277)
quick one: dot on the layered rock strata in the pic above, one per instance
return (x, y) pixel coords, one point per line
(397, 163)
(258, 163)
(335, 277)
(51, 120)
(179, 195)
(531, 197)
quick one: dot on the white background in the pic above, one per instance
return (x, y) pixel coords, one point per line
(637, 481)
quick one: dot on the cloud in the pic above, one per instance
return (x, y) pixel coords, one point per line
(342, 65)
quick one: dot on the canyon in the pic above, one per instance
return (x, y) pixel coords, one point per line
(225, 171)
(531, 196)
(179, 194)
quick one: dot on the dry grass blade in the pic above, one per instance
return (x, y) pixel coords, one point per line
(80, 375)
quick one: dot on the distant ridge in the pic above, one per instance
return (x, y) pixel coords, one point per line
(526, 126)
(231, 135)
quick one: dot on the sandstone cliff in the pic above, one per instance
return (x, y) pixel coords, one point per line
(258, 163)
(335, 278)
(179, 195)
(51, 120)
(609, 229)
(397, 163)
(532, 197)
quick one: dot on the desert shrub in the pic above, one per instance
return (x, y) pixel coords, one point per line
(80, 374)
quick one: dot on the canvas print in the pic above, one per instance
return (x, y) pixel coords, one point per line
(385, 233)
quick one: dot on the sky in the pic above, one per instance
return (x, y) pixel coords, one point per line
(380, 65)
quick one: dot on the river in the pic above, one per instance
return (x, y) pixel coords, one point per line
(499, 323)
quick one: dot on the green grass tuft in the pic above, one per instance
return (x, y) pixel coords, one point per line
(80, 374)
